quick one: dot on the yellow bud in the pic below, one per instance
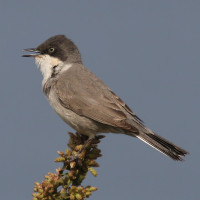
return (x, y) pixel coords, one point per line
(40, 191)
(78, 147)
(80, 188)
(37, 183)
(72, 197)
(58, 170)
(82, 154)
(93, 171)
(88, 194)
(72, 164)
(68, 152)
(78, 196)
(93, 188)
(61, 153)
(34, 194)
(59, 159)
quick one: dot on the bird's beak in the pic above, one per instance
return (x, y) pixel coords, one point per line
(34, 50)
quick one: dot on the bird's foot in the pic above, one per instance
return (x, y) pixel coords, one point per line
(77, 157)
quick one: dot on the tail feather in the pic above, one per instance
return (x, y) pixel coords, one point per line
(161, 144)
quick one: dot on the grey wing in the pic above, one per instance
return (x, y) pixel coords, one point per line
(82, 92)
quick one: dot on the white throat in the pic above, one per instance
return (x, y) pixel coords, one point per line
(46, 63)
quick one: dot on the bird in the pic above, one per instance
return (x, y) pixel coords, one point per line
(85, 102)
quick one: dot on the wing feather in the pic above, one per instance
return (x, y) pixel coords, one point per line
(82, 92)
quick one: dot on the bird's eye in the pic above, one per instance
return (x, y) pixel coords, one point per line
(51, 50)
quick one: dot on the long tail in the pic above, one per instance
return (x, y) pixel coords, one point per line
(161, 144)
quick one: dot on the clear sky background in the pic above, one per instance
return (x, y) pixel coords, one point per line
(145, 51)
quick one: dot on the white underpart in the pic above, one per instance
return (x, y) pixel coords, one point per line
(46, 63)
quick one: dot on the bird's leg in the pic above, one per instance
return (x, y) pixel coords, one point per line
(86, 144)
(75, 157)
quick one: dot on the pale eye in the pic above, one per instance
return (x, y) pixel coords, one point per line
(51, 50)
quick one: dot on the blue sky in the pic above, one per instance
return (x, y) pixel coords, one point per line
(145, 51)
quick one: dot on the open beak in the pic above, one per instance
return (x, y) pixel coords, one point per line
(34, 50)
